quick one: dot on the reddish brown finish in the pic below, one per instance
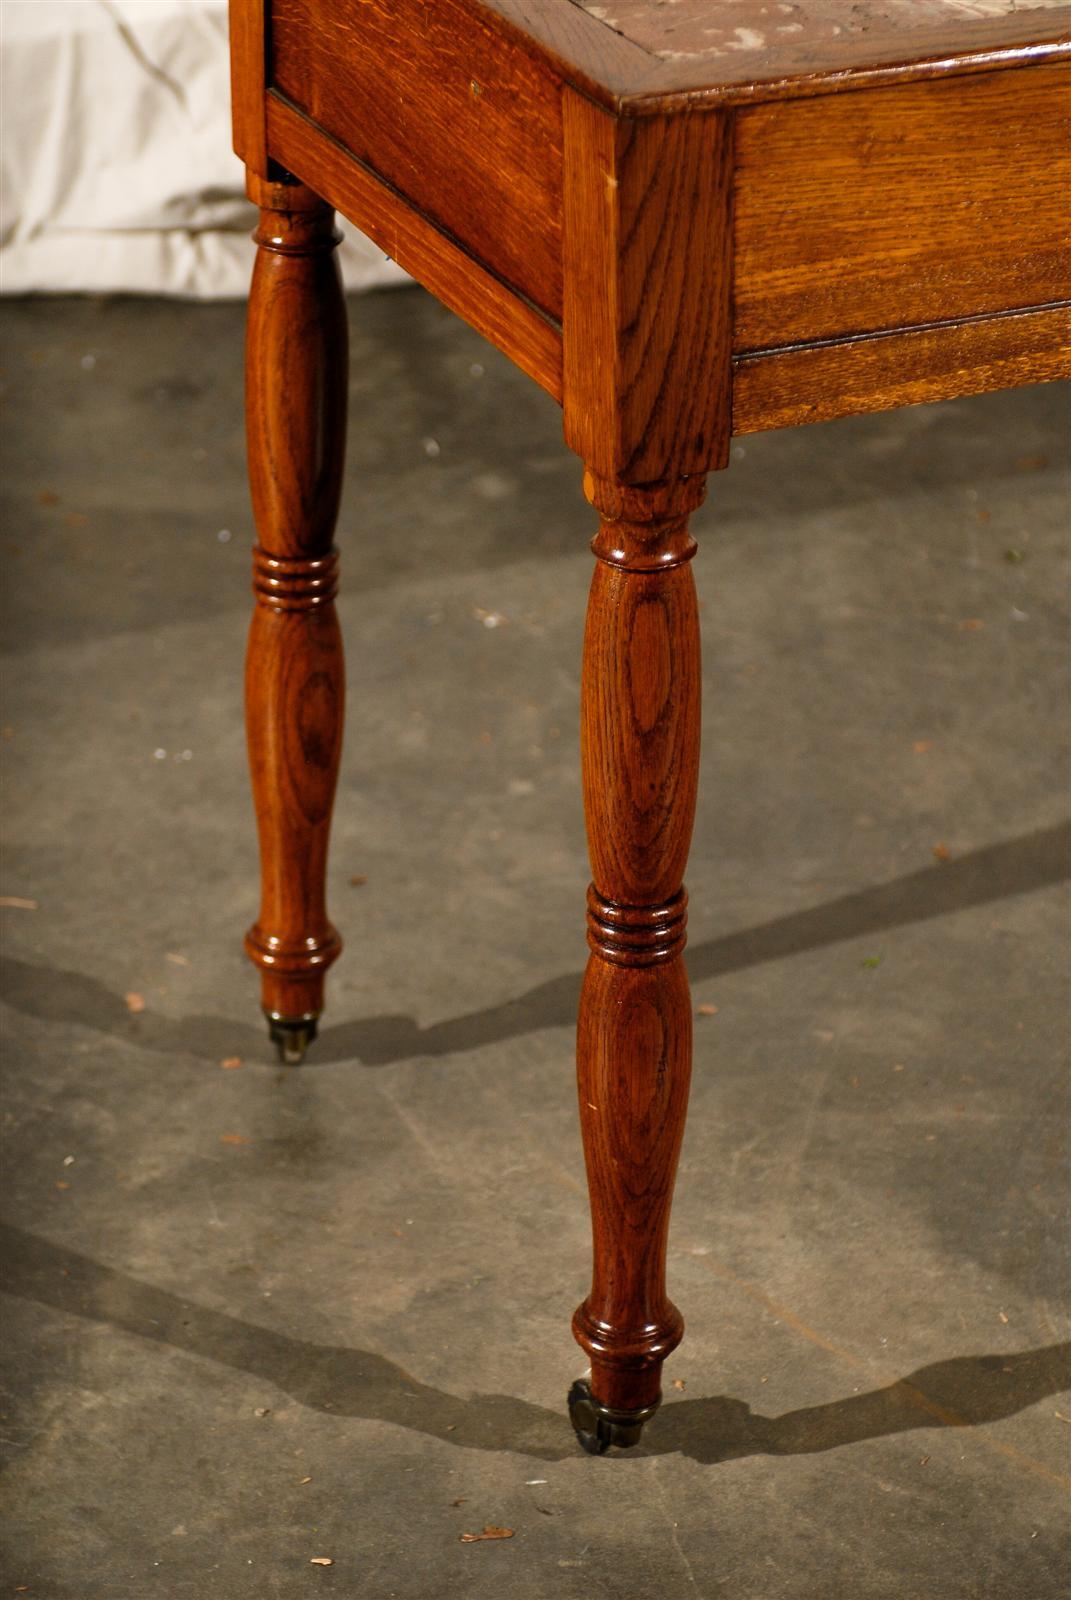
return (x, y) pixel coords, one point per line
(528, 337)
(914, 205)
(711, 36)
(730, 243)
(640, 754)
(434, 101)
(877, 210)
(597, 60)
(646, 337)
(295, 419)
(248, 63)
(588, 52)
(812, 383)
(646, 328)
(705, 53)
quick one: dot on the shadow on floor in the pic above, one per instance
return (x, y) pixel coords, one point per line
(1017, 866)
(961, 1393)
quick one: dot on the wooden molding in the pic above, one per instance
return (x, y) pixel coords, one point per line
(845, 377)
(438, 261)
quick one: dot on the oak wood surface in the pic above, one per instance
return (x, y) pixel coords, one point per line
(646, 343)
(439, 104)
(296, 381)
(576, 47)
(815, 383)
(433, 257)
(645, 328)
(596, 59)
(703, 52)
(888, 225)
(922, 203)
(676, 245)
(248, 81)
(640, 718)
(707, 34)
(588, 50)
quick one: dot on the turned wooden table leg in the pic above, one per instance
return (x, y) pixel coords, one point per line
(296, 377)
(639, 750)
(646, 395)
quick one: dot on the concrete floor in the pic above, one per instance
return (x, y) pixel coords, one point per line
(258, 1316)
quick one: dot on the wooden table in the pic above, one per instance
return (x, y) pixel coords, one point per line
(685, 222)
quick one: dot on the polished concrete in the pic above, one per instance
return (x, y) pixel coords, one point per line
(258, 1316)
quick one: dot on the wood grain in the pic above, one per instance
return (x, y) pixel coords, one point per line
(435, 100)
(773, 55)
(646, 343)
(248, 79)
(467, 286)
(645, 329)
(640, 719)
(572, 194)
(814, 383)
(783, 56)
(914, 205)
(568, 45)
(296, 380)
(711, 37)
(577, 48)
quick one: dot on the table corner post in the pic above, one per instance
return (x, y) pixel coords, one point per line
(647, 407)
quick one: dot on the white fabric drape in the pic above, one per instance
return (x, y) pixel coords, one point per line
(117, 169)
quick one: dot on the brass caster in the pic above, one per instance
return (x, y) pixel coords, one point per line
(291, 1036)
(598, 1426)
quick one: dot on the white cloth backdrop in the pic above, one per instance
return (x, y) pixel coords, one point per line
(117, 169)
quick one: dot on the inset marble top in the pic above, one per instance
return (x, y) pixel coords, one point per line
(710, 41)
(699, 29)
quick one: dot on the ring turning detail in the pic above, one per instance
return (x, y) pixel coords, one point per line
(637, 936)
(639, 758)
(680, 245)
(294, 583)
(296, 378)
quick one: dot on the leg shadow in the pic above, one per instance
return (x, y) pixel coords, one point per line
(1036, 861)
(960, 1393)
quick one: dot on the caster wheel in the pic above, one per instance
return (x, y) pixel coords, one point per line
(598, 1426)
(291, 1036)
